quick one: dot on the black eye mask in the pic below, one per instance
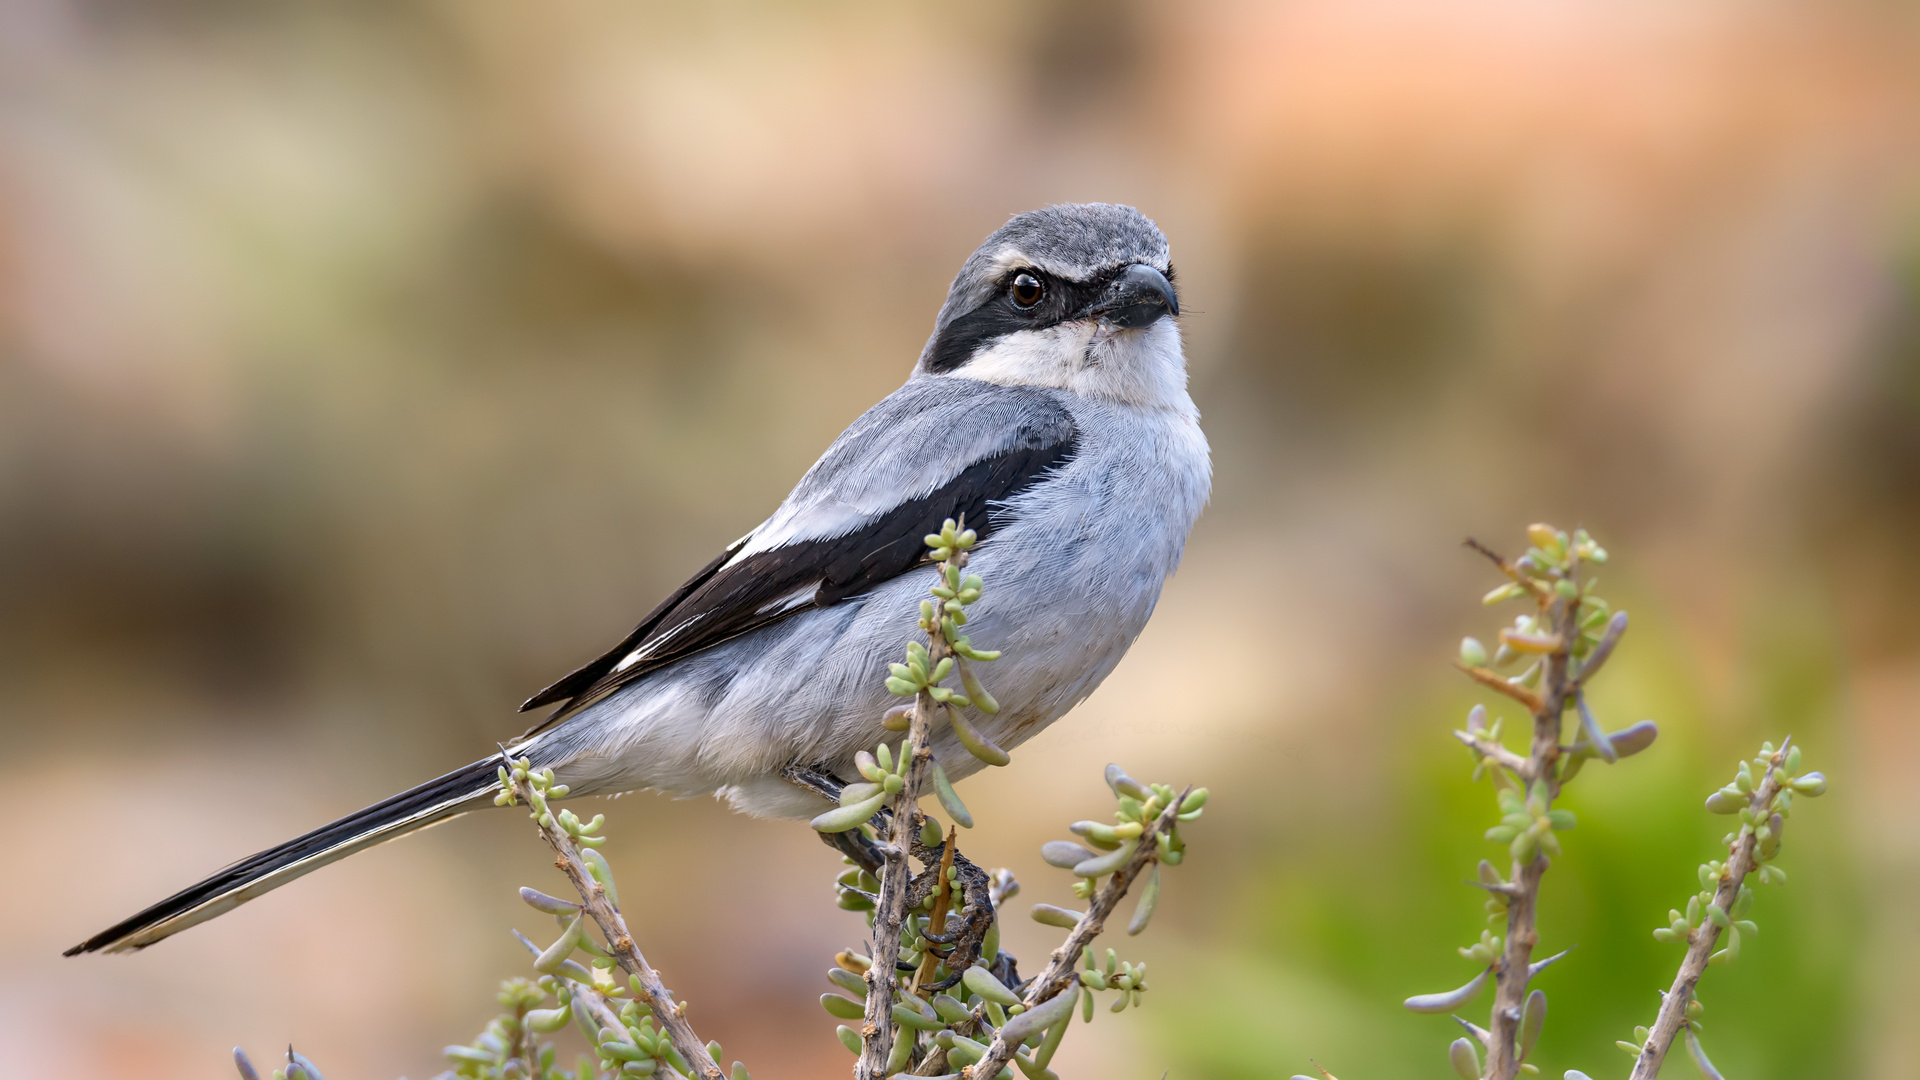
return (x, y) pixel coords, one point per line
(1061, 300)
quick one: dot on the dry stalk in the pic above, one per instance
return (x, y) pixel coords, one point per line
(937, 918)
(620, 942)
(1740, 862)
(1060, 976)
(1493, 680)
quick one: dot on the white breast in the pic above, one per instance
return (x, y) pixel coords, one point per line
(1143, 367)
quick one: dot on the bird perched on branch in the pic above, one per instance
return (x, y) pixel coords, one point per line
(1049, 410)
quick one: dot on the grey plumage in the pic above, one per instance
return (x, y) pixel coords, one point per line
(1071, 583)
(1050, 403)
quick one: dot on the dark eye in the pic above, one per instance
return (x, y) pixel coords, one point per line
(1026, 290)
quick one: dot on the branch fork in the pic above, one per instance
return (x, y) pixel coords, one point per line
(613, 926)
(1059, 976)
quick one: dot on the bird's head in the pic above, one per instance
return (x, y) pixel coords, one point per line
(1078, 297)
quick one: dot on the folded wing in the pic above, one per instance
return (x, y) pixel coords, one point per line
(937, 448)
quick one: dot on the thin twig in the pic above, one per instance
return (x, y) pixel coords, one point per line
(587, 996)
(1507, 568)
(1501, 756)
(1672, 1018)
(1480, 1034)
(1491, 678)
(877, 1031)
(1060, 976)
(1513, 970)
(1493, 556)
(620, 943)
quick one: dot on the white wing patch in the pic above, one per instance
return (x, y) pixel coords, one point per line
(653, 647)
(799, 597)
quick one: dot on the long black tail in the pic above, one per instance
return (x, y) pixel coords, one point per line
(434, 801)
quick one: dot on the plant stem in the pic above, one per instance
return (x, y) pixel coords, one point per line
(937, 918)
(1557, 688)
(1741, 861)
(877, 1030)
(620, 943)
(588, 998)
(1060, 976)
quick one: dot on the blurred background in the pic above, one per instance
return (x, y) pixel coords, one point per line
(364, 366)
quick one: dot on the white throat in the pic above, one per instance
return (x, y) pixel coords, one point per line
(1144, 368)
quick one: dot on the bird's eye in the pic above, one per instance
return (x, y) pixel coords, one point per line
(1026, 290)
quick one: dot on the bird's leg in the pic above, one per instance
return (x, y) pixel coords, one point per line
(814, 778)
(966, 929)
(853, 843)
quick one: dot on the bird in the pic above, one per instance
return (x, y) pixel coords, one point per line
(1048, 411)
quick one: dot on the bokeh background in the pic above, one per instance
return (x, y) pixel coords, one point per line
(363, 366)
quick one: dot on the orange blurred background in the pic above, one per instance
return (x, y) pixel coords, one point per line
(365, 366)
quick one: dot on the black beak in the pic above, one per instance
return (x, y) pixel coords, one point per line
(1136, 298)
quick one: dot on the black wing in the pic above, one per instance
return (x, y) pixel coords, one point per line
(731, 596)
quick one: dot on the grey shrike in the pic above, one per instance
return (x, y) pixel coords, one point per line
(1049, 407)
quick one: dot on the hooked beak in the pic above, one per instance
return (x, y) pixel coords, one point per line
(1136, 298)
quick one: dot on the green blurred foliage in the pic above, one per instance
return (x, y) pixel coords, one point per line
(1353, 907)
